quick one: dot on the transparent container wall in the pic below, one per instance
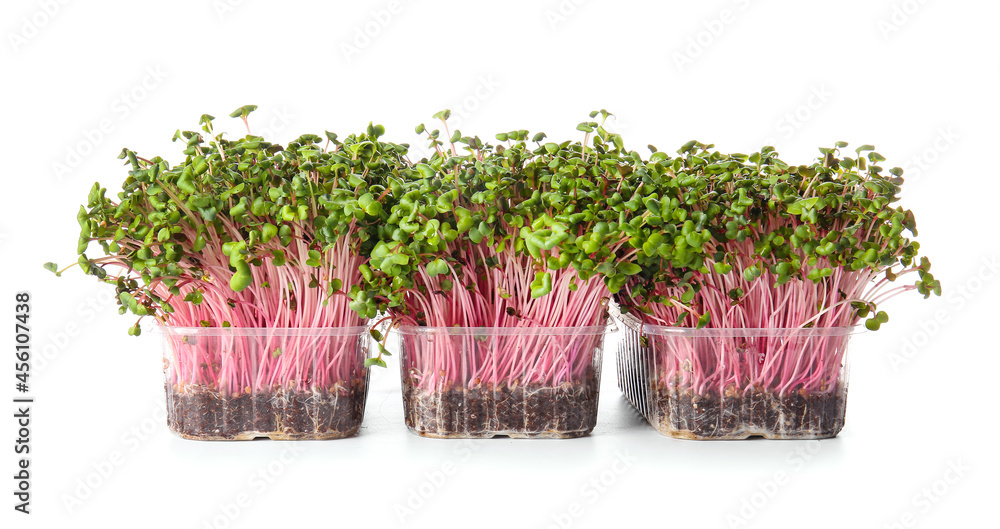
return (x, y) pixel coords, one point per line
(242, 383)
(478, 382)
(736, 383)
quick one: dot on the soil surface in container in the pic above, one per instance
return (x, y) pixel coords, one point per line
(201, 412)
(566, 410)
(757, 412)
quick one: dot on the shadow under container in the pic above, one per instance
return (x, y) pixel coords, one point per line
(481, 382)
(777, 383)
(226, 383)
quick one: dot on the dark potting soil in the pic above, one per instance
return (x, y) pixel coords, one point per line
(566, 410)
(735, 415)
(201, 412)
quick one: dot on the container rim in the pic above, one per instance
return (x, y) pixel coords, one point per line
(592, 330)
(261, 331)
(748, 332)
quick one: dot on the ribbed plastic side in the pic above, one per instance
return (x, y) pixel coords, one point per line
(735, 383)
(632, 363)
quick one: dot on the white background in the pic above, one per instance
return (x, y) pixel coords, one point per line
(917, 79)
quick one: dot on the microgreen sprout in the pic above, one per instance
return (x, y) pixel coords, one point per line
(736, 241)
(507, 235)
(244, 233)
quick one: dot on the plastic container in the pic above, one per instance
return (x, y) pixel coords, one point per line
(242, 383)
(480, 382)
(735, 383)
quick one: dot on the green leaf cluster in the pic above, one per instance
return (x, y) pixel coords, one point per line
(252, 200)
(565, 205)
(707, 213)
(593, 206)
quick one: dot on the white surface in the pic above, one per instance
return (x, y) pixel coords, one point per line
(830, 62)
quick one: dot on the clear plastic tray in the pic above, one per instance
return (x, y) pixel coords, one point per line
(241, 383)
(480, 382)
(735, 383)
